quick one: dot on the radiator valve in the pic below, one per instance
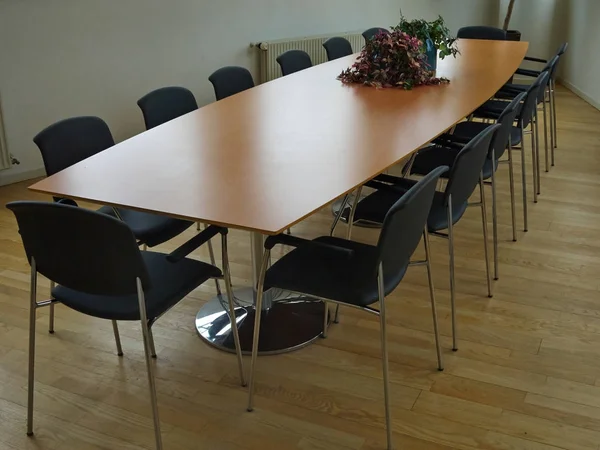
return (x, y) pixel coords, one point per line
(261, 46)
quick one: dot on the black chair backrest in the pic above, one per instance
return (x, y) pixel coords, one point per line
(506, 121)
(72, 140)
(372, 32)
(482, 32)
(231, 80)
(337, 47)
(80, 249)
(534, 93)
(404, 224)
(464, 175)
(166, 104)
(552, 67)
(293, 61)
(562, 49)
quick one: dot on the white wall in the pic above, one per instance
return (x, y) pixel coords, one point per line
(61, 58)
(581, 67)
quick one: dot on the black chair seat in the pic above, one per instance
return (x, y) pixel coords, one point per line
(170, 283)
(331, 271)
(149, 229)
(468, 130)
(375, 206)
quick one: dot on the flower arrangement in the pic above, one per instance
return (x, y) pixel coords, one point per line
(392, 60)
(436, 31)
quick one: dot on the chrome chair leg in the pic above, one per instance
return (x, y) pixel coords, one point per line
(146, 333)
(524, 179)
(545, 113)
(117, 338)
(452, 281)
(51, 316)
(553, 100)
(384, 357)
(511, 180)
(485, 236)
(232, 316)
(533, 163)
(495, 220)
(338, 216)
(325, 319)
(537, 153)
(31, 369)
(352, 212)
(336, 317)
(211, 254)
(144, 247)
(436, 332)
(255, 338)
(198, 226)
(151, 340)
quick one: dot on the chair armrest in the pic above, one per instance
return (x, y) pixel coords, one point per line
(451, 140)
(200, 239)
(67, 201)
(294, 241)
(528, 73)
(538, 60)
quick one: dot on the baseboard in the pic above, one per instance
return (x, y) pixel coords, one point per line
(570, 86)
(15, 175)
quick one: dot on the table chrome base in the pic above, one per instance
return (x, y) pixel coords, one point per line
(335, 207)
(291, 322)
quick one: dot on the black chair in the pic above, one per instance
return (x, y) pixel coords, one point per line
(231, 80)
(293, 61)
(337, 47)
(449, 146)
(482, 32)
(372, 32)
(100, 272)
(527, 117)
(353, 274)
(165, 104)
(448, 206)
(72, 140)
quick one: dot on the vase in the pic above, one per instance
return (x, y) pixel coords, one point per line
(431, 53)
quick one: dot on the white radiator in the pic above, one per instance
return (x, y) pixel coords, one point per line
(313, 45)
(4, 155)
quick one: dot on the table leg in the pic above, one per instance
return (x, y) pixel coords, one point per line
(288, 321)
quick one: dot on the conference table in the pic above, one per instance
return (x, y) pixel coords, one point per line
(269, 157)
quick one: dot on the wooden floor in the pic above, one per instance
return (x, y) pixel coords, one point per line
(527, 375)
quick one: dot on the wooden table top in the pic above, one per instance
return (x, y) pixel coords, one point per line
(268, 157)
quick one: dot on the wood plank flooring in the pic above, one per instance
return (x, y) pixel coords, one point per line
(527, 375)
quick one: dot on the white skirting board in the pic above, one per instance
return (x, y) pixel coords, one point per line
(570, 86)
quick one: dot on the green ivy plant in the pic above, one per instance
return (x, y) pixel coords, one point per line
(437, 31)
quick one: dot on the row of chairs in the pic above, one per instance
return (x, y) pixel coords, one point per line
(93, 258)
(294, 61)
(344, 272)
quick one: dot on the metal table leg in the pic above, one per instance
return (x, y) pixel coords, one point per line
(288, 322)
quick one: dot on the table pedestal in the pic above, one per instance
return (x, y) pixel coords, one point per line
(288, 321)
